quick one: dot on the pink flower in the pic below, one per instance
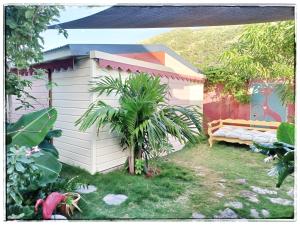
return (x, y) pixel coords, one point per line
(35, 149)
(28, 153)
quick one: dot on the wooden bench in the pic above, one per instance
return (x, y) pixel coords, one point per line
(249, 124)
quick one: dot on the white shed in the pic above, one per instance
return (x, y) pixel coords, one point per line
(71, 67)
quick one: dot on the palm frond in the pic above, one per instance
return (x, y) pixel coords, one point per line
(107, 84)
(99, 113)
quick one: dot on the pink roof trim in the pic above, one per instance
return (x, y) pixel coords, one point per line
(135, 69)
(52, 66)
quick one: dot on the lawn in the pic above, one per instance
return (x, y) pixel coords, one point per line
(194, 180)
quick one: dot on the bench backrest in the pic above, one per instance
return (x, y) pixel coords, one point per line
(254, 124)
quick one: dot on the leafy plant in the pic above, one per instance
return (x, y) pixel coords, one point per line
(286, 133)
(71, 203)
(283, 151)
(139, 166)
(23, 177)
(23, 44)
(47, 145)
(49, 167)
(144, 121)
(61, 185)
(35, 166)
(31, 129)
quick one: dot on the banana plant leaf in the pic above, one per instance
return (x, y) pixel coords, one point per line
(49, 166)
(286, 133)
(285, 170)
(53, 133)
(278, 148)
(285, 153)
(47, 145)
(289, 157)
(31, 129)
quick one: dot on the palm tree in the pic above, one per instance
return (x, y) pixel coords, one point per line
(143, 119)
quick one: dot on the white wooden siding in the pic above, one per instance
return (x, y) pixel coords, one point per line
(179, 67)
(183, 93)
(109, 153)
(71, 98)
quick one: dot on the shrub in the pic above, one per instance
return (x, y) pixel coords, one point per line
(283, 150)
(144, 121)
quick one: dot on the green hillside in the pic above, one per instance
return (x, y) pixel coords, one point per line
(201, 46)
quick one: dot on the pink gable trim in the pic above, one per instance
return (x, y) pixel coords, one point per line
(52, 66)
(136, 69)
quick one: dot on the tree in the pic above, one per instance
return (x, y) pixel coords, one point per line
(23, 44)
(29, 168)
(264, 51)
(143, 120)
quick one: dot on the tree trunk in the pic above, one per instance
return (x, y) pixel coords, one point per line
(131, 160)
(8, 108)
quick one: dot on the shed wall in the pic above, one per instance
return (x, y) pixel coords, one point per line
(108, 153)
(71, 99)
(178, 67)
(184, 93)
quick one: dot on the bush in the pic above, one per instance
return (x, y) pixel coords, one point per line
(23, 178)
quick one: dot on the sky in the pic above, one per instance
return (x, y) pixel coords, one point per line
(94, 36)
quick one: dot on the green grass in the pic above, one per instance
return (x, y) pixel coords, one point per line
(179, 190)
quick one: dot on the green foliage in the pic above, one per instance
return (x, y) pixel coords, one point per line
(286, 91)
(29, 171)
(62, 185)
(233, 55)
(36, 167)
(49, 167)
(23, 177)
(23, 44)
(23, 28)
(286, 133)
(264, 51)
(31, 129)
(14, 85)
(144, 120)
(139, 166)
(283, 150)
(47, 145)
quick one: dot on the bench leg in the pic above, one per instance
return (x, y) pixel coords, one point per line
(210, 141)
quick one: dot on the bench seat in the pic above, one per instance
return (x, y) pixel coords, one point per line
(242, 131)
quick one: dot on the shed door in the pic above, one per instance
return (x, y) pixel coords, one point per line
(266, 104)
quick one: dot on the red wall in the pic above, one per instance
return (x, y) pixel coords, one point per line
(219, 106)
